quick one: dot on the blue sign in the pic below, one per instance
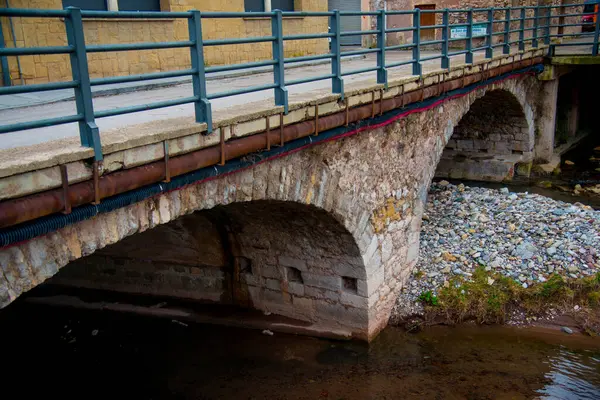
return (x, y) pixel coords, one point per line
(460, 32)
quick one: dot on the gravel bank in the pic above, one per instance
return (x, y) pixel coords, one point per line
(524, 236)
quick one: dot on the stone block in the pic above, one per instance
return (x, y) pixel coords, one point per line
(292, 262)
(273, 284)
(464, 144)
(322, 294)
(322, 281)
(296, 288)
(353, 300)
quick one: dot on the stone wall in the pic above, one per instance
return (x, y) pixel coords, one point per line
(374, 184)
(285, 258)
(494, 138)
(32, 32)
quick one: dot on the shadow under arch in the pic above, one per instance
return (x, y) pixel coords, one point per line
(283, 258)
(491, 141)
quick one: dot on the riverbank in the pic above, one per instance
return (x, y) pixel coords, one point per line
(499, 257)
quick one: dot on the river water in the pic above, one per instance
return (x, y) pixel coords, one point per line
(67, 353)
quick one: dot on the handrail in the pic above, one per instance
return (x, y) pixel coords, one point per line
(494, 27)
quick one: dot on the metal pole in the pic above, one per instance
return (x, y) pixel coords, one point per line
(489, 50)
(596, 31)
(506, 47)
(536, 15)
(381, 70)
(281, 93)
(522, 31)
(4, 62)
(445, 35)
(337, 83)
(202, 106)
(469, 41)
(548, 23)
(417, 70)
(88, 130)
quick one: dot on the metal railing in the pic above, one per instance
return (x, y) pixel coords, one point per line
(531, 25)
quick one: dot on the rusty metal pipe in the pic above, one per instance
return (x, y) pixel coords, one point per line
(34, 206)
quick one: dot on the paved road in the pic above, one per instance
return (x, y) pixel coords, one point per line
(35, 136)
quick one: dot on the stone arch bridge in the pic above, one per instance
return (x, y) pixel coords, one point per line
(325, 234)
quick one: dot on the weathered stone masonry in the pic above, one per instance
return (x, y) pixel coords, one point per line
(373, 184)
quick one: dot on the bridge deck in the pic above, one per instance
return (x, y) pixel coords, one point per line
(222, 108)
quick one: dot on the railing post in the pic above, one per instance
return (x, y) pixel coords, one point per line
(202, 106)
(337, 83)
(88, 130)
(548, 23)
(489, 50)
(445, 36)
(6, 81)
(381, 70)
(536, 15)
(506, 47)
(281, 93)
(417, 70)
(522, 30)
(596, 31)
(469, 42)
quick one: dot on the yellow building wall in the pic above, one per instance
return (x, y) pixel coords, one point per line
(33, 32)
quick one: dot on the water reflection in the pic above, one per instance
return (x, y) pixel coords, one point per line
(122, 356)
(573, 375)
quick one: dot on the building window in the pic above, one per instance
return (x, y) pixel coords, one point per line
(96, 5)
(283, 5)
(262, 5)
(139, 5)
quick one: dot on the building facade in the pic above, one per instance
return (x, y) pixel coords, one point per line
(34, 32)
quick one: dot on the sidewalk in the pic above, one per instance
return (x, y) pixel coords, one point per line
(129, 95)
(33, 99)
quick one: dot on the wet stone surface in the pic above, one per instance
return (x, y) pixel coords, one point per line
(524, 236)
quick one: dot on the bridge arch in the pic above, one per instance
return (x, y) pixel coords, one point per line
(496, 135)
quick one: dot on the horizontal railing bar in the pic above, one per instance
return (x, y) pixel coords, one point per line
(235, 67)
(307, 80)
(432, 26)
(21, 126)
(432, 42)
(311, 36)
(400, 12)
(357, 52)
(360, 71)
(457, 39)
(308, 58)
(307, 13)
(358, 33)
(432, 11)
(242, 91)
(28, 51)
(134, 14)
(458, 25)
(39, 87)
(392, 30)
(31, 12)
(400, 63)
(358, 13)
(99, 48)
(141, 77)
(218, 14)
(223, 42)
(145, 107)
(401, 46)
(574, 34)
